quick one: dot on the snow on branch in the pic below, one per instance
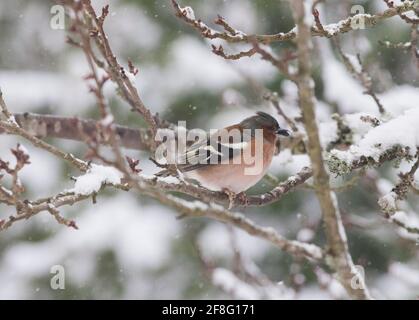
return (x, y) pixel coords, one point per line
(236, 287)
(232, 35)
(200, 209)
(409, 223)
(96, 177)
(388, 202)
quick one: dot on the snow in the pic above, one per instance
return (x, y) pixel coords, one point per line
(387, 202)
(390, 286)
(333, 28)
(186, 55)
(398, 99)
(358, 127)
(42, 89)
(143, 237)
(328, 132)
(311, 249)
(192, 205)
(384, 186)
(409, 220)
(23, 149)
(95, 178)
(6, 191)
(240, 289)
(333, 286)
(147, 32)
(230, 283)
(215, 243)
(305, 235)
(189, 13)
(354, 62)
(341, 228)
(107, 120)
(406, 273)
(43, 167)
(12, 120)
(234, 11)
(140, 235)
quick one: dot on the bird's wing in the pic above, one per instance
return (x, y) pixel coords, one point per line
(211, 151)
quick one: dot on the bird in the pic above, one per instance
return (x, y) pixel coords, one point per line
(219, 162)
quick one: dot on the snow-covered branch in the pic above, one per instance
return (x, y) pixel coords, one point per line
(339, 256)
(398, 138)
(232, 35)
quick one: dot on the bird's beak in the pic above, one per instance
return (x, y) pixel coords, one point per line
(283, 132)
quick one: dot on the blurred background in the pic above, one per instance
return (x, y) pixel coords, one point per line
(129, 246)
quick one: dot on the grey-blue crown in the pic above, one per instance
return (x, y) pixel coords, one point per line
(262, 120)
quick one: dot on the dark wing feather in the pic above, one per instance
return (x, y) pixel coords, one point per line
(209, 152)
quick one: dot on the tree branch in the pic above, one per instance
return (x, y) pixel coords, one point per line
(74, 128)
(339, 257)
(13, 128)
(328, 31)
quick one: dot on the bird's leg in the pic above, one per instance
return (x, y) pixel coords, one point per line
(232, 196)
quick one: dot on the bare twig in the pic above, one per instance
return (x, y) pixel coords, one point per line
(14, 129)
(274, 99)
(391, 5)
(34, 208)
(316, 16)
(281, 64)
(219, 51)
(115, 70)
(359, 72)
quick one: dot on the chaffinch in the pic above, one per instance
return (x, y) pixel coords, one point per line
(227, 159)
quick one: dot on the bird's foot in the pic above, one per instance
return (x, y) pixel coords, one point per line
(232, 196)
(242, 197)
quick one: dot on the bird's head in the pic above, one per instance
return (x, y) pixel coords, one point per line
(264, 121)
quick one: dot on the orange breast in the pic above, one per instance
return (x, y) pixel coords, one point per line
(237, 177)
